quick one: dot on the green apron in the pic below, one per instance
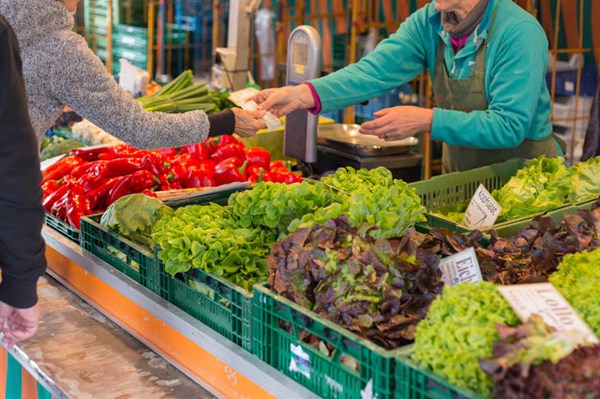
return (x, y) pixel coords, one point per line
(469, 95)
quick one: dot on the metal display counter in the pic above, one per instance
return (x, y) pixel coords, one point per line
(78, 353)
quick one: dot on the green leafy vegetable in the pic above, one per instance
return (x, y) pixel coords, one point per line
(370, 197)
(540, 186)
(275, 205)
(578, 279)
(585, 182)
(459, 330)
(59, 146)
(134, 215)
(210, 238)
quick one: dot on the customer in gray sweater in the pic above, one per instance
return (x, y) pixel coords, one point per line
(60, 69)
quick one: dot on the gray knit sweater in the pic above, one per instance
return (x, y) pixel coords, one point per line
(60, 69)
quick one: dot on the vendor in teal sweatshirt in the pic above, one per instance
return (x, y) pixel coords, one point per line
(487, 61)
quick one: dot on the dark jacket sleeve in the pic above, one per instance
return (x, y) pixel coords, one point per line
(22, 249)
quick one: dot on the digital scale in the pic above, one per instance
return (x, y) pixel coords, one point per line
(303, 63)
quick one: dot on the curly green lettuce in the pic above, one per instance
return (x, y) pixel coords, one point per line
(578, 279)
(542, 185)
(585, 182)
(459, 330)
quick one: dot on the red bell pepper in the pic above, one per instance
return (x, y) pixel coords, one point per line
(230, 170)
(98, 195)
(52, 198)
(89, 154)
(95, 167)
(285, 177)
(258, 156)
(77, 206)
(213, 143)
(201, 175)
(278, 166)
(166, 152)
(258, 174)
(49, 187)
(59, 208)
(61, 168)
(133, 183)
(197, 151)
(229, 151)
(149, 193)
(89, 182)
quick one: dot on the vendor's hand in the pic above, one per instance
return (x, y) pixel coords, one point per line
(284, 100)
(247, 123)
(398, 123)
(18, 324)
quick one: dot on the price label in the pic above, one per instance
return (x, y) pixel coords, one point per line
(543, 299)
(300, 361)
(460, 268)
(483, 209)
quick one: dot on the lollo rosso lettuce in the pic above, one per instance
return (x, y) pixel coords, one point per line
(459, 330)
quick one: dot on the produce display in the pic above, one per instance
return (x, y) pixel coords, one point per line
(544, 184)
(532, 255)
(459, 330)
(533, 361)
(210, 238)
(133, 216)
(275, 205)
(91, 179)
(379, 289)
(369, 197)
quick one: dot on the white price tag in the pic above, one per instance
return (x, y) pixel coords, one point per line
(461, 267)
(543, 299)
(300, 361)
(483, 209)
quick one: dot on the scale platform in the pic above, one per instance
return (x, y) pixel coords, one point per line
(341, 145)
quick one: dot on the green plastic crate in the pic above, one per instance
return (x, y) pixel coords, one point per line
(416, 382)
(130, 258)
(214, 301)
(446, 190)
(65, 229)
(329, 377)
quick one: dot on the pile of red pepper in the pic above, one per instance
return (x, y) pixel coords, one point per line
(89, 180)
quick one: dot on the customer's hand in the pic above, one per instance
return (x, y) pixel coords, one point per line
(247, 123)
(284, 100)
(18, 324)
(398, 123)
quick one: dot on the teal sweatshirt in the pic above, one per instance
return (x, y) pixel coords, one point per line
(515, 70)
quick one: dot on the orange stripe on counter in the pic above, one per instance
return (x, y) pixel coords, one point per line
(28, 385)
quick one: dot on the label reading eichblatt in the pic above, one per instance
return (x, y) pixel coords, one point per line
(461, 267)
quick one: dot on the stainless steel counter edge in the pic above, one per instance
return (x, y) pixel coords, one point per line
(247, 364)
